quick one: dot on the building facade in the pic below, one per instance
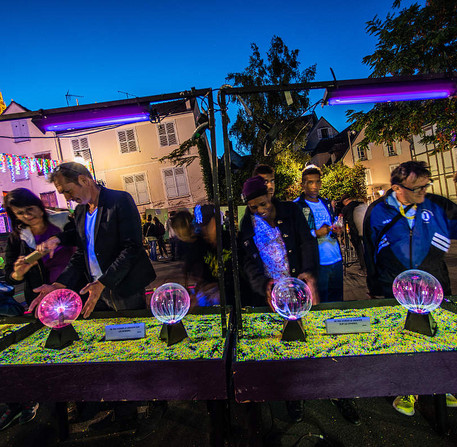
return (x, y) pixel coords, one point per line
(379, 160)
(125, 157)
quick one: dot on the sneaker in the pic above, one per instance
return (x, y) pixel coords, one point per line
(451, 400)
(9, 416)
(405, 404)
(295, 410)
(28, 412)
(348, 410)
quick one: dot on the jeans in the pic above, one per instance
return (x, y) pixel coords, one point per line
(330, 282)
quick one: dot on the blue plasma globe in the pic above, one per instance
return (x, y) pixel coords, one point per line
(59, 308)
(291, 298)
(417, 291)
(170, 303)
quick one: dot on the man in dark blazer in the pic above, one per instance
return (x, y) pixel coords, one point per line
(110, 255)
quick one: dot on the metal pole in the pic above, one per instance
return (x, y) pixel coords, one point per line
(217, 206)
(228, 180)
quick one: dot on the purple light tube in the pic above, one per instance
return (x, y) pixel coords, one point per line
(401, 91)
(84, 119)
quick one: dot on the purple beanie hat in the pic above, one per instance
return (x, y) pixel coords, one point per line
(254, 187)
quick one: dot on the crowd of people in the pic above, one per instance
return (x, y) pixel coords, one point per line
(100, 251)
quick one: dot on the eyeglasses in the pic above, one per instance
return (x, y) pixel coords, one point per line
(61, 169)
(417, 188)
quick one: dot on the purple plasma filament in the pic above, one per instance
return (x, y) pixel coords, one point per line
(418, 291)
(401, 91)
(59, 308)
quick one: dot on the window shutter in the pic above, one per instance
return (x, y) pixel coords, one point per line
(122, 136)
(84, 143)
(181, 182)
(171, 134)
(127, 141)
(75, 145)
(398, 147)
(368, 152)
(20, 131)
(162, 135)
(141, 188)
(167, 134)
(129, 183)
(170, 185)
(368, 177)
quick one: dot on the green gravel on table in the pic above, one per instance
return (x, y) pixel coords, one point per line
(205, 342)
(262, 335)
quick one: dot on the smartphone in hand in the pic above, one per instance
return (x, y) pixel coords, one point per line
(34, 256)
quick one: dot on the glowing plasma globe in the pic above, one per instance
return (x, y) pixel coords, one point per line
(59, 308)
(170, 303)
(417, 291)
(291, 298)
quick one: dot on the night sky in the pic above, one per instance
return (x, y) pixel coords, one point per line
(97, 48)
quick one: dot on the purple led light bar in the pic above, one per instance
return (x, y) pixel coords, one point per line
(400, 91)
(85, 119)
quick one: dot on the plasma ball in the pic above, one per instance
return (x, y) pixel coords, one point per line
(418, 291)
(291, 298)
(170, 303)
(59, 308)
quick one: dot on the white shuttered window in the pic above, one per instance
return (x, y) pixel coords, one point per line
(20, 130)
(137, 186)
(81, 148)
(175, 180)
(127, 141)
(167, 134)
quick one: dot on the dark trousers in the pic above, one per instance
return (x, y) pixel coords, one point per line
(110, 300)
(161, 244)
(357, 243)
(330, 282)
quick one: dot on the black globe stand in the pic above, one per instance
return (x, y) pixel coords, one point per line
(421, 323)
(61, 338)
(293, 330)
(173, 333)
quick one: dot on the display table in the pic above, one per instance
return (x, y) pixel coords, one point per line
(93, 370)
(389, 361)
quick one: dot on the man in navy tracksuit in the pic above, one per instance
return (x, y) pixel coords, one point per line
(421, 234)
(408, 229)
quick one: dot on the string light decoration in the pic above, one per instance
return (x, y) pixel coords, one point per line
(17, 165)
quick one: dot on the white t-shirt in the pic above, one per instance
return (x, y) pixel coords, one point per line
(94, 268)
(329, 249)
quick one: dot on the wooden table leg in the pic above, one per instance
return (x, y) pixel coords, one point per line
(62, 420)
(219, 420)
(441, 417)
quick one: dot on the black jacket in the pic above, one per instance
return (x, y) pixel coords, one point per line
(300, 245)
(118, 246)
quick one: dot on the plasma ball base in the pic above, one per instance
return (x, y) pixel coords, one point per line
(61, 338)
(173, 333)
(293, 331)
(421, 323)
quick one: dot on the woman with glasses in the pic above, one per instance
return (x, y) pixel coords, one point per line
(31, 227)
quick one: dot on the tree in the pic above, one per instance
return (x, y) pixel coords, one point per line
(267, 109)
(339, 179)
(273, 115)
(417, 40)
